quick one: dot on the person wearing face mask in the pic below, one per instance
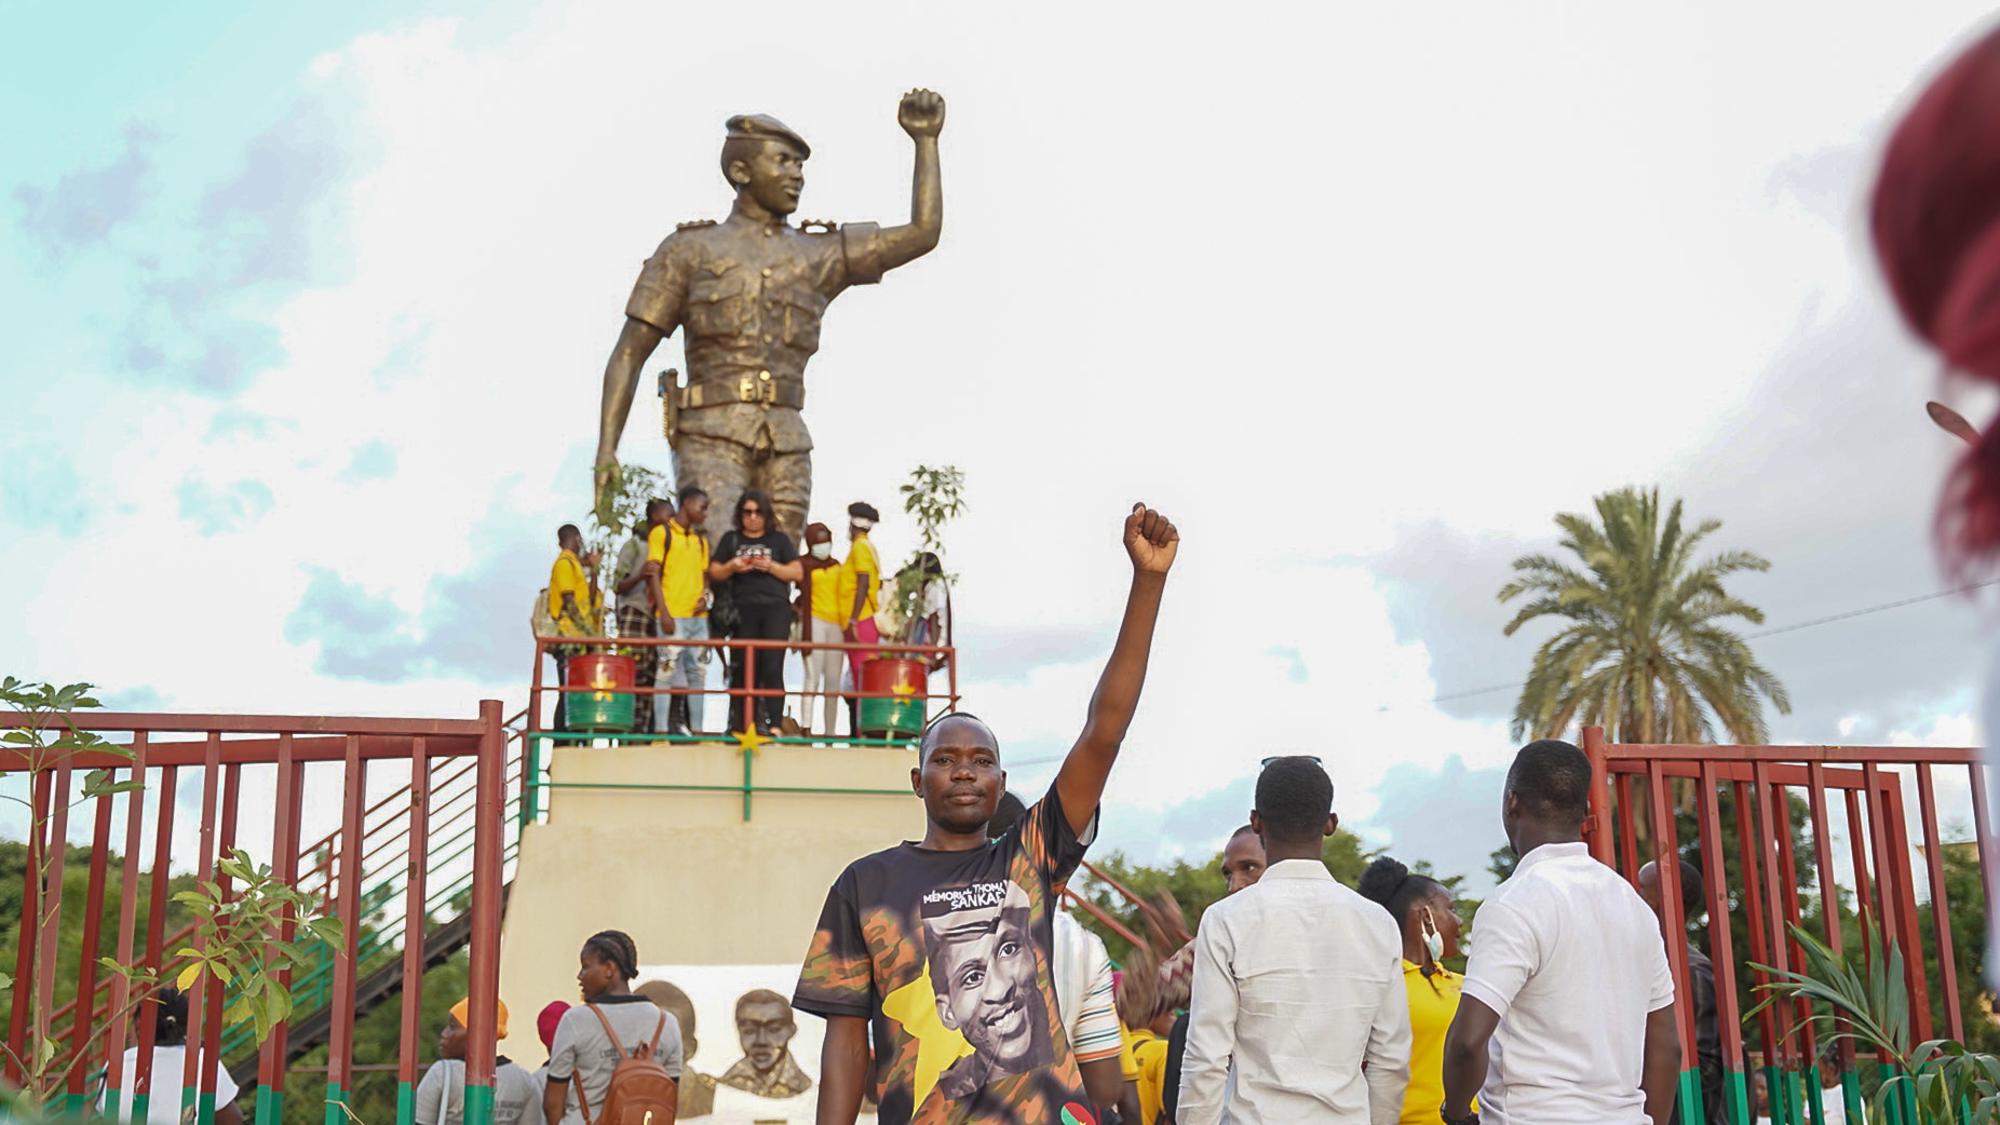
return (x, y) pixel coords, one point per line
(820, 603)
(1423, 909)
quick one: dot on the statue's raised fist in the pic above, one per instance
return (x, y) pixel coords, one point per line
(921, 114)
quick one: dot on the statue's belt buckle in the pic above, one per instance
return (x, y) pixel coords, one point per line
(758, 388)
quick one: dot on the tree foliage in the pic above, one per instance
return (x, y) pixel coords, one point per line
(1643, 650)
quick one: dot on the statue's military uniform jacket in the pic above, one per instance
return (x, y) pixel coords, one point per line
(751, 296)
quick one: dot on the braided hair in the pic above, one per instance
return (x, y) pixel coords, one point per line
(617, 949)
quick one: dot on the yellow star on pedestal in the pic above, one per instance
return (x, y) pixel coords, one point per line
(750, 740)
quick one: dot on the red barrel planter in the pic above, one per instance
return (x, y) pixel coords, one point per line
(598, 690)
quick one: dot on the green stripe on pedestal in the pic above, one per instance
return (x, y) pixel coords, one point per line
(406, 1104)
(479, 1105)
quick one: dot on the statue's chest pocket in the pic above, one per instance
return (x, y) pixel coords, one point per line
(719, 304)
(801, 313)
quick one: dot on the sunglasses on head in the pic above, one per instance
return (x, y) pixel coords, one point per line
(1281, 757)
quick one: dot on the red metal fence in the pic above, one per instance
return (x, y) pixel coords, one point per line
(449, 782)
(923, 705)
(1642, 790)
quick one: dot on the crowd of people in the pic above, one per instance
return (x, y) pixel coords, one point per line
(669, 581)
(955, 987)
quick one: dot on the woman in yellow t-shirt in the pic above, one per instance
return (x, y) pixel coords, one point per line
(1424, 911)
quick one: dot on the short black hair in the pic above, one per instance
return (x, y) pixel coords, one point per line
(863, 510)
(1694, 890)
(1552, 780)
(1006, 814)
(657, 503)
(755, 496)
(1294, 796)
(567, 530)
(617, 948)
(1396, 887)
(1246, 830)
(924, 740)
(692, 493)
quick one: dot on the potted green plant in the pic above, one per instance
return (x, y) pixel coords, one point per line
(895, 684)
(605, 677)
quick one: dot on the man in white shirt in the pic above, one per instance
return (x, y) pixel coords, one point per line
(1567, 1015)
(1298, 982)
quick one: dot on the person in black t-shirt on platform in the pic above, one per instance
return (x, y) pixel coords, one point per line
(760, 564)
(943, 949)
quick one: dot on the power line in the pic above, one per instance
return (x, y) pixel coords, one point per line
(1793, 628)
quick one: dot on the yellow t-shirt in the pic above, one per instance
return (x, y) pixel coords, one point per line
(827, 590)
(860, 561)
(1431, 1010)
(685, 567)
(1150, 1052)
(567, 577)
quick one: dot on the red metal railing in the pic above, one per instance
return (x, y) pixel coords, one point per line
(940, 658)
(1762, 782)
(297, 750)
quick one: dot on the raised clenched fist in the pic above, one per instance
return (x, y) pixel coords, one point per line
(1151, 540)
(921, 114)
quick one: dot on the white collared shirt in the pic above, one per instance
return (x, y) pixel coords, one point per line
(1571, 959)
(1298, 981)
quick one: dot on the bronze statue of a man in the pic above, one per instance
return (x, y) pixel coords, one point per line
(750, 292)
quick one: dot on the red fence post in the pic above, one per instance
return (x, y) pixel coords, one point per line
(83, 1013)
(115, 1077)
(1940, 903)
(1600, 795)
(1721, 944)
(347, 896)
(49, 921)
(484, 970)
(413, 930)
(1673, 927)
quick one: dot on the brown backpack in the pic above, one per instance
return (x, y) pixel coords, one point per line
(641, 1091)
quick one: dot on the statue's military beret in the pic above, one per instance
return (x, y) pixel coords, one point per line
(761, 126)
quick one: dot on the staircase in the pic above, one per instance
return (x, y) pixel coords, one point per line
(378, 969)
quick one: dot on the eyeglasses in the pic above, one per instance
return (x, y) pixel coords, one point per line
(1283, 757)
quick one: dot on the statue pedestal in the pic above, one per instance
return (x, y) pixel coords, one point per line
(658, 841)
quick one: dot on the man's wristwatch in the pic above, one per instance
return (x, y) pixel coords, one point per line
(1471, 1117)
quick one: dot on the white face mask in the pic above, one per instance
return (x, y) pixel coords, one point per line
(1433, 940)
(822, 550)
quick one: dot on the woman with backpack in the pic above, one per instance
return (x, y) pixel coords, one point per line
(619, 1051)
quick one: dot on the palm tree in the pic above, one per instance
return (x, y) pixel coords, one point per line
(1643, 651)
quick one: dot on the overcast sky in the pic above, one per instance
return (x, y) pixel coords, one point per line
(307, 310)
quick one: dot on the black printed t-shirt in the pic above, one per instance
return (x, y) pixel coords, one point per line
(754, 587)
(947, 954)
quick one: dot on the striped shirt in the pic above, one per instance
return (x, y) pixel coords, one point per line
(1083, 991)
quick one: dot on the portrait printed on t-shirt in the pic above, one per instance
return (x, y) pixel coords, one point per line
(982, 969)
